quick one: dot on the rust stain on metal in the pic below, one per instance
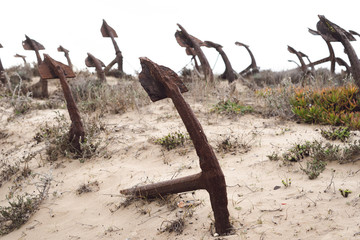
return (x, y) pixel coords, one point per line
(211, 177)
(252, 68)
(21, 56)
(332, 32)
(109, 32)
(66, 53)
(92, 61)
(47, 73)
(229, 72)
(61, 71)
(188, 41)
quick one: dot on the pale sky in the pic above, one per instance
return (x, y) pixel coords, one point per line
(146, 29)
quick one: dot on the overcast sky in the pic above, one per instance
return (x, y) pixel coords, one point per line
(147, 28)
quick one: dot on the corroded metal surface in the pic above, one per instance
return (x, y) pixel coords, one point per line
(300, 56)
(330, 58)
(57, 69)
(66, 53)
(92, 61)
(229, 72)
(341, 62)
(188, 41)
(31, 44)
(211, 177)
(252, 68)
(108, 31)
(332, 32)
(47, 73)
(354, 33)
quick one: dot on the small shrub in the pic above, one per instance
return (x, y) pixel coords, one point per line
(342, 134)
(7, 172)
(232, 145)
(345, 193)
(17, 213)
(277, 101)
(314, 168)
(89, 187)
(176, 226)
(23, 207)
(172, 140)
(230, 107)
(273, 157)
(57, 139)
(334, 106)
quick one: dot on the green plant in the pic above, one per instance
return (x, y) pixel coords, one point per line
(277, 101)
(56, 138)
(314, 168)
(341, 133)
(333, 105)
(298, 152)
(231, 108)
(273, 157)
(22, 207)
(15, 215)
(172, 140)
(345, 193)
(286, 182)
(230, 144)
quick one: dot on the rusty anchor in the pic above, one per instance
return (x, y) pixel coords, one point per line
(108, 31)
(229, 72)
(192, 45)
(66, 53)
(252, 68)
(161, 82)
(330, 58)
(39, 89)
(92, 61)
(341, 62)
(333, 33)
(21, 56)
(50, 69)
(300, 56)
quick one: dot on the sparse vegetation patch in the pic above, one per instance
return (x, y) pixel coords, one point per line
(173, 140)
(231, 107)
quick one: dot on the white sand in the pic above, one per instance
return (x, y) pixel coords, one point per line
(302, 211)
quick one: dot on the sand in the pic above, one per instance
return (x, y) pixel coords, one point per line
(308, 209)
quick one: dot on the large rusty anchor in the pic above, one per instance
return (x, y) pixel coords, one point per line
(92, 61)
(39, 89)
(108, 31)
(50, 69)
(333, 33)
(192, 45)
(229, 72)
(252, 68)
(161, 82)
